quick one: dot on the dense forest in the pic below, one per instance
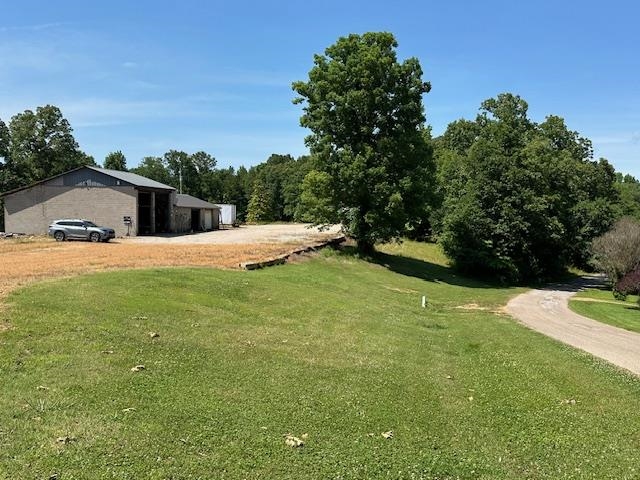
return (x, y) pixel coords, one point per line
(503, 194)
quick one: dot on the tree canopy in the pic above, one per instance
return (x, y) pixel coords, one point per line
(37, 145)
(34, 146)
(116, 161)
(520, 199)
(364, 109)
(628, 189)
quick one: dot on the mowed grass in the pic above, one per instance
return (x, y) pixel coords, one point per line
(599, 304)
(335, 347)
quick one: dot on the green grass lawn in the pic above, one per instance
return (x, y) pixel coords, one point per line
(334, 347)
(607, 309)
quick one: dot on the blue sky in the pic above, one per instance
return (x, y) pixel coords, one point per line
(148, 76)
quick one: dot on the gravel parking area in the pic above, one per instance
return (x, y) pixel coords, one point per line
(28, 259)
(273, 233)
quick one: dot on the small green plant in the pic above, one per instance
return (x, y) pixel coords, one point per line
(618, 295)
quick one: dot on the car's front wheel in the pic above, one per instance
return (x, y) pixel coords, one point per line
(59, 236)
(94, 237)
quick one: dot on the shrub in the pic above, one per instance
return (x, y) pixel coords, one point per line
(617, 252)
(628, 285)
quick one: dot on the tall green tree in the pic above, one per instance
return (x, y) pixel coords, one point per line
(520, 199)
(364, 109)
(116, 161)
(35, 146)
(205, 165)
(155, 169)
(282, 175)
(293, 176)
(42, 145)
(260, 208)
(628, 189)
(5, 139)
(182, 171)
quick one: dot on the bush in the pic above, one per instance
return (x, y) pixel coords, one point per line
(619, 295)
(628, 285)
(617, 252)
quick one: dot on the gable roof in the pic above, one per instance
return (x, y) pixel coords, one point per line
(132, 178)
(187, 201)
(128, 177)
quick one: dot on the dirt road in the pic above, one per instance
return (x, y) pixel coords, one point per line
(547, 312)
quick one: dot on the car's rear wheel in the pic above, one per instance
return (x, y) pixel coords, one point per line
(94, 237)
(59, 236)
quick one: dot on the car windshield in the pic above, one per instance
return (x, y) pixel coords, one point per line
(89, 224)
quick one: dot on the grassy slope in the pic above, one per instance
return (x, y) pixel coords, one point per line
(608, 310)
(335, 347)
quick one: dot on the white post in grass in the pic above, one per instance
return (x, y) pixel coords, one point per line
(424, 301)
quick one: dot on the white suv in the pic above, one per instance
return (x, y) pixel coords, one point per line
(78, 229)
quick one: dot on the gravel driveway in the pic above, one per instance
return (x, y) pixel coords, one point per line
(274, 233)
(547, 311)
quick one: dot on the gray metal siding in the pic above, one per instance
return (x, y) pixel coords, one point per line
(87, 177)
(133, 179)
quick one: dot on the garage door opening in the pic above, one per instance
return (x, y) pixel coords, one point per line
(195, 220)
(163, 222)
(144, 213)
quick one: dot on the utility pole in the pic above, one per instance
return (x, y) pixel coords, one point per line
(180, 176)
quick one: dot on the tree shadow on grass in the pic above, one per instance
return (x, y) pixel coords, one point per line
(421, 269)
(432, 272)
(577, 283)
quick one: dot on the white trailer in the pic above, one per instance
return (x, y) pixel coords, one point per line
(227, 213)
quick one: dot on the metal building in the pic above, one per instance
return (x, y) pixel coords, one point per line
(129, 203)
(193, 214)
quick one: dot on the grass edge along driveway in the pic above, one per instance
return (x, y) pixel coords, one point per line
(599, 304)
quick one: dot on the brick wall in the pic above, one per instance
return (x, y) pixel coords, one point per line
(32, 210)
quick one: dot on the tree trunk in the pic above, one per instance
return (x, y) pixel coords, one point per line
(366, 247)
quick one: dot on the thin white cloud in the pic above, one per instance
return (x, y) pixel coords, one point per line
(129, 64)
(32, 28)
(21, 56)
(142, 84)
(99, 112)
(91, 112)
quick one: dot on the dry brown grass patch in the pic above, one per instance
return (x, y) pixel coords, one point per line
(26, 262)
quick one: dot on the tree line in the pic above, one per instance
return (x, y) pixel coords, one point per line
(505, 195)
(38, 145)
